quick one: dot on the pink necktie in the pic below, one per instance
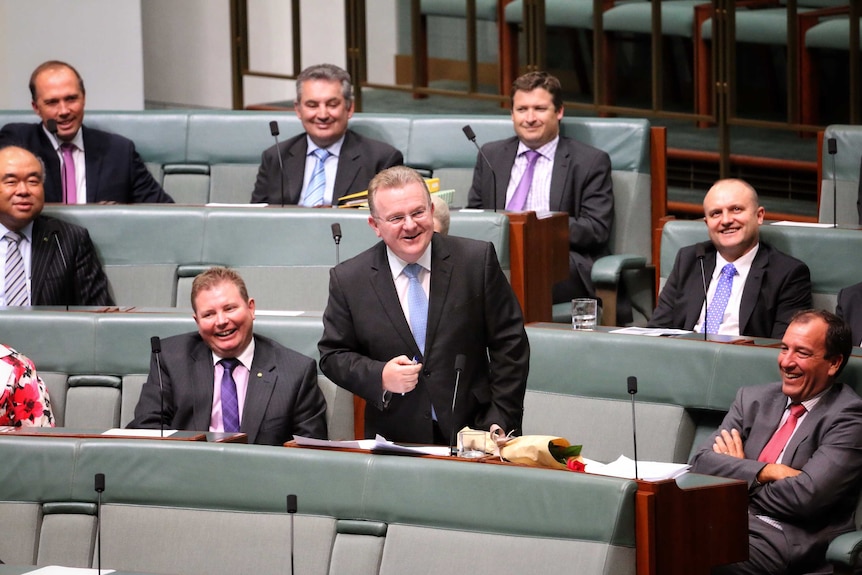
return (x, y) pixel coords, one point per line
(519, 198)
(70, 186)
(776, 445)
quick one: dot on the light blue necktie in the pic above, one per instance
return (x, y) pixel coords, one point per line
(417, 304)
(715, 313)
(317, 183)
(229, 401)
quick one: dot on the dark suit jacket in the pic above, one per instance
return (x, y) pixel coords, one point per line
(64, 267)
(849, 309)
(282, 399)
(580, 186)
(777, 286)
(817, 505)
(115, 171)
(360, 160)
(472, 311)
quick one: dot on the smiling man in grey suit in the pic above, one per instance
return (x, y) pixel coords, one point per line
(58, 262)
(556, 173)
(328, 161)
(225, 378)
(798, 445)
(400, 313)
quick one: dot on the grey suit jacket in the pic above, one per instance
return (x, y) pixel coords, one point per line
(360, 160)
(777, 286)
(580, 186)
(64, 267)
(817, 505)
(282, 399)
(471, 310)
(849, 309)
(115, 170)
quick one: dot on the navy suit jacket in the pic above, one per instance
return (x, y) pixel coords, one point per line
(777, 286)
(849, 309)
(282, 399)
(64, 267)
(115, 170)
(471, 310)
(360, 160)
(580, 186)
(815, 506)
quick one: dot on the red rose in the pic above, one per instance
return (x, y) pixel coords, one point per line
(573, 464)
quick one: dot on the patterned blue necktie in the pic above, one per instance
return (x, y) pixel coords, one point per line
(417, 303)
(317, 183)
(715, 313)
(229, 401)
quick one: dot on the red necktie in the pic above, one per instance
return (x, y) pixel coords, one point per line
(776, 445)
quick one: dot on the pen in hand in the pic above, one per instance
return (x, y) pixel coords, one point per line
(415, 361)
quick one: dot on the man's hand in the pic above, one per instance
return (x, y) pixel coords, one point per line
(776, 471)
(729, 443)
(400, 374)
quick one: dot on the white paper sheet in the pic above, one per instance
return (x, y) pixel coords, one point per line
(379, 443)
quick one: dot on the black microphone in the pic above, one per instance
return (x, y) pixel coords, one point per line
(156, 346)
(336, 235)
(700, 254)
(273, 129)
(471, 135)
(460, 360)
(291, 510)
(100, 487)
(54, 235)
(632, 382)
(832, 148)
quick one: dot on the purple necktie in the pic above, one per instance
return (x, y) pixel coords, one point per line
(229, 401)
(519, 198)
(70, 186)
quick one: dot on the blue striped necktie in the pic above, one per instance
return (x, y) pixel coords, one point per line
(317, 184)
(229, 400)
(16, 281)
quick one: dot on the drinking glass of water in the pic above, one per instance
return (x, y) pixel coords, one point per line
(584, 314)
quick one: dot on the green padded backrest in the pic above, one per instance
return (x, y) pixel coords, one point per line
(159, 135)
(233, 137)
(845, 187)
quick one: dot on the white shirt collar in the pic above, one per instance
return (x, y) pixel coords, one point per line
(397, 265)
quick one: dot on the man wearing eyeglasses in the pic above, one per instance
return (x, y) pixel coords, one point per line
(400, 312)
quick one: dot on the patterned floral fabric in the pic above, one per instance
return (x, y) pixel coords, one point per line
(24, 400)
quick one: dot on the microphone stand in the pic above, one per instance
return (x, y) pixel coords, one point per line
(291, 510)
(471, 135)
(832, 147)
(633, 389)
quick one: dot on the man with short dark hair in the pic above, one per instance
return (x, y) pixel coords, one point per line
(540, 170)
(226, 379)
(327, 161)
(752, 288)
(798, 445)
(47, 261)
(83, 165)
(401, 312)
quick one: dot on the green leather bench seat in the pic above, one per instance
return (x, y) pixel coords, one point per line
(151, 253)
(208, 509)
(834, 256)
(845, 186)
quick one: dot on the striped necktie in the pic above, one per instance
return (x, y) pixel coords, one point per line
(16, 280)
(317, 184)
(519, 198)
(229, 400)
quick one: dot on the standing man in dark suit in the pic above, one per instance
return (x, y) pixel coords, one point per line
(849, 309)
(328, 161)
(554, 173)
(47, 261)
(225, 378)
(759, 288)
(83, 165)
(400, 312)
(798, 445)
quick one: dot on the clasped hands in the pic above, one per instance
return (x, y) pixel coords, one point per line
(401, 375)
(730, 443)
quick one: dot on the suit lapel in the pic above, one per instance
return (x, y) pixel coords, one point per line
(384, 287)
(695, 305)
(558, 180)
(751, 290)
(53, 185)
(93, 155)
(348, 167)
(503, 172)
(441, 276)
(261, 383)
(773, 409)
(806, 427)
(294, 168)
(203, 375)
(40, 260)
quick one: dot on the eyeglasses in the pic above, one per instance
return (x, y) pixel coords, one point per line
(416, 216)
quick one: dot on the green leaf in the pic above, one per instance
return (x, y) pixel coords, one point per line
(561, 453)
